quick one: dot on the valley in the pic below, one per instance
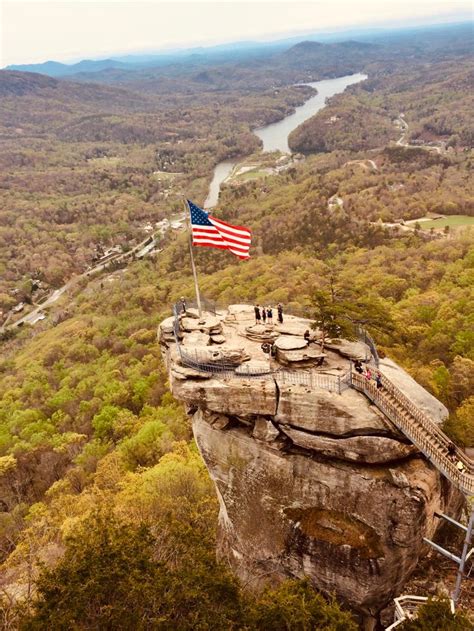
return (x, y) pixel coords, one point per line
(365, 200)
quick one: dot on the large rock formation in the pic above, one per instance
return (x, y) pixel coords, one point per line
(311, 482)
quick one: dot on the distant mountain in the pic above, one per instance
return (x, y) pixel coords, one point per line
(56, 69)
(332, 58)
(235, 52)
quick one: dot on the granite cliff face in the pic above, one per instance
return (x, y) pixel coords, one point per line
(311, 482)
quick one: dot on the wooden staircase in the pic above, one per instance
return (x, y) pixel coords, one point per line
(420, 429)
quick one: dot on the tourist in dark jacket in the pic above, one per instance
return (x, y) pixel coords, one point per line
(258, 317)
(270, 315)
(280, 313)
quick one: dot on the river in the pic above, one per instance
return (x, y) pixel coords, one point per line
(275, 135)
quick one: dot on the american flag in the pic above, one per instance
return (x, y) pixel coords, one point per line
(215, 233)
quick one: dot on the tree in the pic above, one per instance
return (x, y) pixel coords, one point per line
(330, 317)
(338, 310)
(106, 580)
(109, 578)
(295, 606)
(436, 615)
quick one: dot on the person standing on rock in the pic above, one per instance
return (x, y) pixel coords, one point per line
(257, 314)
(264, 315)
(183, 304)
(270, 315)
(280, 313)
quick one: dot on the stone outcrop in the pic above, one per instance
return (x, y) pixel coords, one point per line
(351, 350)
(310, 482)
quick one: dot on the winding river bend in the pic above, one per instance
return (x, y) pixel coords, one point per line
(275, 135)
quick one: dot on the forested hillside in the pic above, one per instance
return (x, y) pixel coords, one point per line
(107, 513)
(435, 99)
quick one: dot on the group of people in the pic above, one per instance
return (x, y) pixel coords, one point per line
(265, 314)
(368, 373)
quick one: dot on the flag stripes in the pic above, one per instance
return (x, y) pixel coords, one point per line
(208, 231)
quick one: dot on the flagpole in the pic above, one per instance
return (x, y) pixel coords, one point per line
(193, 266)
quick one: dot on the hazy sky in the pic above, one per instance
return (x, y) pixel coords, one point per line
(35, 30)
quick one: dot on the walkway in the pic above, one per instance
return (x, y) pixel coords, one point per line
(420, 429)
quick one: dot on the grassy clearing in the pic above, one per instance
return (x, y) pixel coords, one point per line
(453, 221)
(252, 175)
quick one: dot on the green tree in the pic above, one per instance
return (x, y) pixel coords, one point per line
(330, 317)
(436, 615)
(107, 579)
(295, 606)
(112, 577)
(337, 312)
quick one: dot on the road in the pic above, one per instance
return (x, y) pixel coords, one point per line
(401, 142)
(140, 250)
(363, 163)
(403, 125)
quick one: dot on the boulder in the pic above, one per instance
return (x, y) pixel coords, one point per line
(261, 333)
(167, 326)
(218, 339)
(290, 343)
(192, 312)
(351, 350)
(294, 327)
(254, 367)
(166, 331)
(222, 355)
(307, 356)
(416, 393)
(265, 430)
(210, 325)
(367, 449)
(311, 483)
(196, 339)
(183, 372)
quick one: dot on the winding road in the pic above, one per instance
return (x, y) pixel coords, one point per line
(141, 249)
(402, 142)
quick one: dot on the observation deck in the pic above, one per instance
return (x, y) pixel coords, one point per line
(228, 344)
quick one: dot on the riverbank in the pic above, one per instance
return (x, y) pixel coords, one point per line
(274, 137)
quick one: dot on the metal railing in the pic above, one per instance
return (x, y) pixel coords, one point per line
(406, 608)
(326, 381)
(365, 337)
(207, 305)
(419, 428)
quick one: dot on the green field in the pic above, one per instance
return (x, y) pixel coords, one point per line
(252, 175)
(452, 221)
